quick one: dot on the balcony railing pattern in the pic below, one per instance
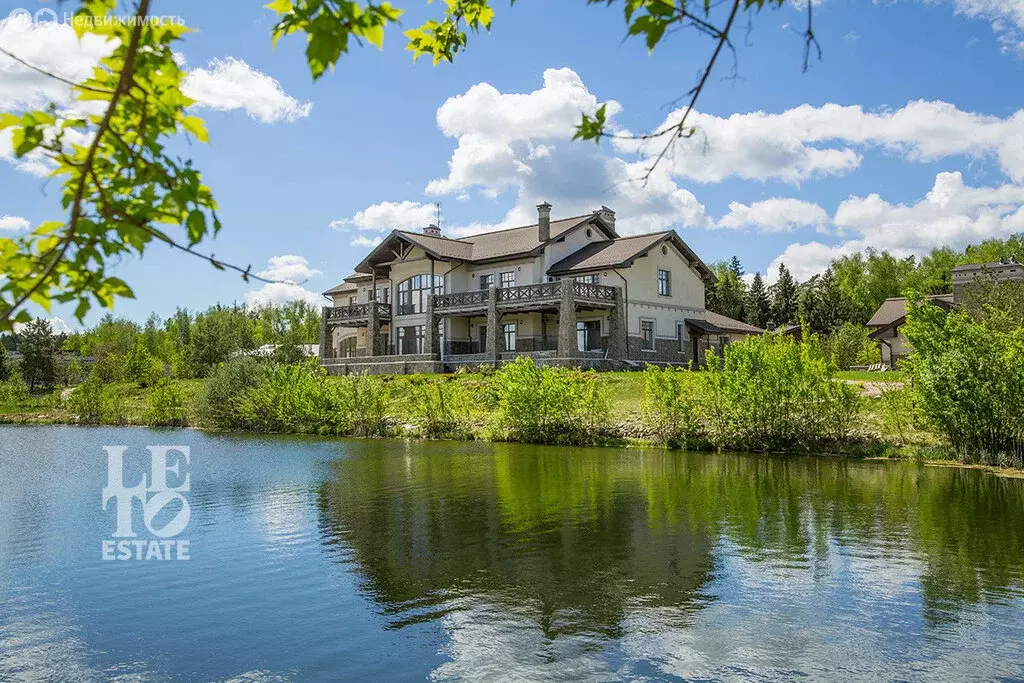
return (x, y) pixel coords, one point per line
(529, 293)
(476, 297)
(357, 312)
(586, 290)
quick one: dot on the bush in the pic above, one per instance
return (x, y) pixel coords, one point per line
(548, 404)
(13, 391)
(141, 367)
(849, 345)
(969, 377)
(672, 406)
(86, 401)
(109, 368)
(440, 409)
(364, 403)
(224, 391)
(898, 410)
(772, 393)
(167, 405)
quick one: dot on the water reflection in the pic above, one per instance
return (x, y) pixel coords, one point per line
(580, 542)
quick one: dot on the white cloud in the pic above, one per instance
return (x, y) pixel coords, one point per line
(290, 267)
(13, 223)
(1005, 16)
(807, 142)
(57, 326)
(388, 216)
(291, 270)
(951, 214)
(522, 142)
(775, 215)
(229, 83)
(366, 242)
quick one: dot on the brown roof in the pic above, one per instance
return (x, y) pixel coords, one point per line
(895, 309)
(727, 324)
(621, 252)
(486, 246)
(341, 289)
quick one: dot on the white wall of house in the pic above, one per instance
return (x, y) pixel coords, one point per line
(686, 299)
(526, 273)
(572, 242)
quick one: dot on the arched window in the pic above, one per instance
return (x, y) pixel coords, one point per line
(412, 293)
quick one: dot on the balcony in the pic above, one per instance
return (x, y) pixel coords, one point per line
(535, 297)
(357, 315)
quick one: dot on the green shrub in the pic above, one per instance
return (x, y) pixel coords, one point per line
(548, 404)
(969, 377)
(114, 406)
(225, 390)
(672, 406)
(897, 410)
(86, 401)
(772, 393)
(364, 402)
(140, 366)
(14, 391)
(440, 409)
(109, 368)
(849, 345)
(167, 405)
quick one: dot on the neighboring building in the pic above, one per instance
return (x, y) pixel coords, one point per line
(885, 327)
(886, 322)
(568, 291)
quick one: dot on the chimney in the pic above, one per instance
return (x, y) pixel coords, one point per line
(432, 230)
(544, 222)
(607, 215)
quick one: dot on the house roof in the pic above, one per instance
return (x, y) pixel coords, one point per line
(486, 246)
(985, 266)
(727, 324)
(341, 288)
(621, 252)
(895, 309)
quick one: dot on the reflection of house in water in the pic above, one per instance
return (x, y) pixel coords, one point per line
(564, 545)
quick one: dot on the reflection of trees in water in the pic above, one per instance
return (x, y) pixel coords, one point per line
(576, 537)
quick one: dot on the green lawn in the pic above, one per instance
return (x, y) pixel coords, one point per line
(863, 376)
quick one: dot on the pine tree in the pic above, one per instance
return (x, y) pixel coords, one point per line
(735, 267)
(784, 298)
(758, 309)
(38, 354)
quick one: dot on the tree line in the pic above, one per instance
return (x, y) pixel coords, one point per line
(850, 290)
(187, 345)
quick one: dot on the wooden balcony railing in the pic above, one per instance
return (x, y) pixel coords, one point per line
(544, 294)
(357, 312)
(471, 299)
(529, 293)
(593, 292)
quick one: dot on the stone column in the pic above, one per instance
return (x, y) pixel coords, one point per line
(432, 336)
(617, 328)
(325, 347)
(372, 330)
(568, 343)
(493, 322)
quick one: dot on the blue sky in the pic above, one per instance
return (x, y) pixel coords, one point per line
(925, 147)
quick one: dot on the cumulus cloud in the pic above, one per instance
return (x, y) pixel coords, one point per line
(291, 270)
(775, 215)
(230, 83)
(366, 242)
(1005, 16)
(807, 142)
(388, 216)
(57, 326)
(522, 143)
(951, 214)
(13, 224)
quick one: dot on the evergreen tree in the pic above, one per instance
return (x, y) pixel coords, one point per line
(758, 308)
(735, 267)
(727, 296)
(785, 302)
(5, 364)
(38, 354)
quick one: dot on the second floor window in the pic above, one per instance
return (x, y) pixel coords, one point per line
(508, 278)
(592, 279)
(486, 281)
(664, 283)
(384, 295)
(413, 293)
(352, 301)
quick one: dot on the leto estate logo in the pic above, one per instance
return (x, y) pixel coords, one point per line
(163, 491)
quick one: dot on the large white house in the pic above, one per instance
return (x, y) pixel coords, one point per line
(568, 291)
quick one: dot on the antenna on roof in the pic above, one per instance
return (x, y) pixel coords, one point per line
(437, 210)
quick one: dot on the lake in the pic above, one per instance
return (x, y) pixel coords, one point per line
(388, 560)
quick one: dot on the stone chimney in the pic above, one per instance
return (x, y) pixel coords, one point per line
(432, 230)
(607, 215)
(544, 222)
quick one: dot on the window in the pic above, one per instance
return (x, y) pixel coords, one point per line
(352, 301)
(647, 334)
(508, 279)
(582, 336)
(509, 333)
(592, 279)
(347, 347)
(681, 336)
(384, 295)
(410, 340)
(664, 283)
(413, 293)
(486, 281)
